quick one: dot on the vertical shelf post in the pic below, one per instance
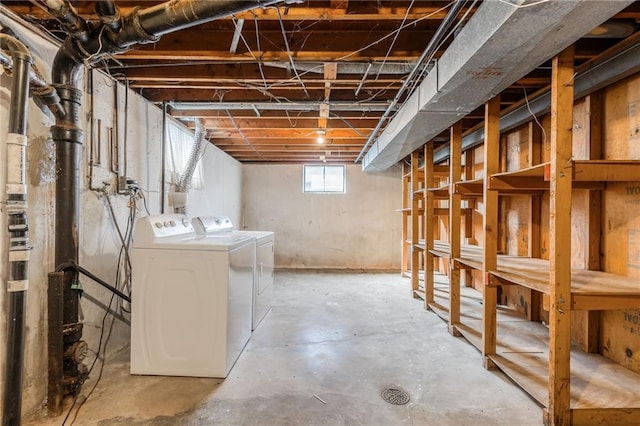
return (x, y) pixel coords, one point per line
(415, 226)
(559, 410)
(405, 226)
(469, 160)
(428, 224)
(455, 172)
(490, 226)
(535, 217)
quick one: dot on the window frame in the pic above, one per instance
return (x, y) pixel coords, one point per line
(324, 167)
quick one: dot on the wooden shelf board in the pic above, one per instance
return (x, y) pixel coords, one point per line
(523, 355)
(587, 174)
(441, 192)
(590, 290)
(407, 210)
(440, 249)
(470, 187)
(606, 170)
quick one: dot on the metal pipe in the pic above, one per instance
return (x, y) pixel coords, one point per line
(435, 41)
(109, 14)
(175, 15)
(140, 26)
(55, 390)
(16, 208)
(68, 17)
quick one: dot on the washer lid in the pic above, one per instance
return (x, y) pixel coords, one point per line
(258, 235)
(201, 243)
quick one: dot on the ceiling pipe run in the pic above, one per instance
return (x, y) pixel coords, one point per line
(501, 43)
(279, 106)
(88, 44)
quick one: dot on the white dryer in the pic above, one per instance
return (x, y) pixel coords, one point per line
(191, 299)
(263, 274)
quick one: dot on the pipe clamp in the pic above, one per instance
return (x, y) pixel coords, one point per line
(17, 285)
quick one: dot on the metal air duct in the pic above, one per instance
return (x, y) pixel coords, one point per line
(500, 44)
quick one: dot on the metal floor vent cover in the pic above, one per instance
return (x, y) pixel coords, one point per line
(395, 396)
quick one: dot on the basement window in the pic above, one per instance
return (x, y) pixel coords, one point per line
(324, 179)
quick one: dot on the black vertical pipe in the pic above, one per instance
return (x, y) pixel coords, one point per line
(55, 297)
(16, 204)
(68, 137)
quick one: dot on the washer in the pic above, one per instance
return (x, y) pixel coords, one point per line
(263, 274)
(191, 299)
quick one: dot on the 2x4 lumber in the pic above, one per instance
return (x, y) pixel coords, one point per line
(591, 323)
(606, 170)
(469, 159)
(605, 416)
(490, 227)
(535, 216)
(429, 217)
(405, 227)
(470, 187)
(455, 217)
(415, 225)
(559, 380)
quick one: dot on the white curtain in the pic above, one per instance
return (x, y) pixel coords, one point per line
(179, 144)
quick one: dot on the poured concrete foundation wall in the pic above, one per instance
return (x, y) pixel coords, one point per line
(356, 230)
(99, 241)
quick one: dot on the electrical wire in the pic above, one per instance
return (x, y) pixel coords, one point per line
(102, 342)
(535, 118)
(286, 43)
(233, 121)
(393, 42)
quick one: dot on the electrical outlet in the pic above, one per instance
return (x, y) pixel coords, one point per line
(126, 184)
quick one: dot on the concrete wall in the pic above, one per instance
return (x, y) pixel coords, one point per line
(99, 240)
(356, 230)
(221, 195)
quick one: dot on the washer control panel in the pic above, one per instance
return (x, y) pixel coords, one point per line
(205, 225)
(150, 228)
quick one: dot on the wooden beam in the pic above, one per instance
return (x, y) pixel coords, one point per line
(275, 133)
(469, 159)
(455, 221)
(559, 235)
(415, 225)
(490, 226)
(428, 225)
(535, 217)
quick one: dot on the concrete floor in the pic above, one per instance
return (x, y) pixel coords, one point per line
(322, 356)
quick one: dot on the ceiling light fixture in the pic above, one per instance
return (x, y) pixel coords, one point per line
(320, 138)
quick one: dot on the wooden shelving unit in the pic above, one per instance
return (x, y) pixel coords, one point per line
(574, 386)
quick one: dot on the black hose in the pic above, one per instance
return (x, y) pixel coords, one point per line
(74, 267)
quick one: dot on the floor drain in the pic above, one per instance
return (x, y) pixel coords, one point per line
(395, 396)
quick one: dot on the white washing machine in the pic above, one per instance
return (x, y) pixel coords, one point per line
(263, 270)
(191, 299)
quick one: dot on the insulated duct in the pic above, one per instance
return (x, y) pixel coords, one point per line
(16, 212)
(88, 44)
(500, 44)
(184, 183)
